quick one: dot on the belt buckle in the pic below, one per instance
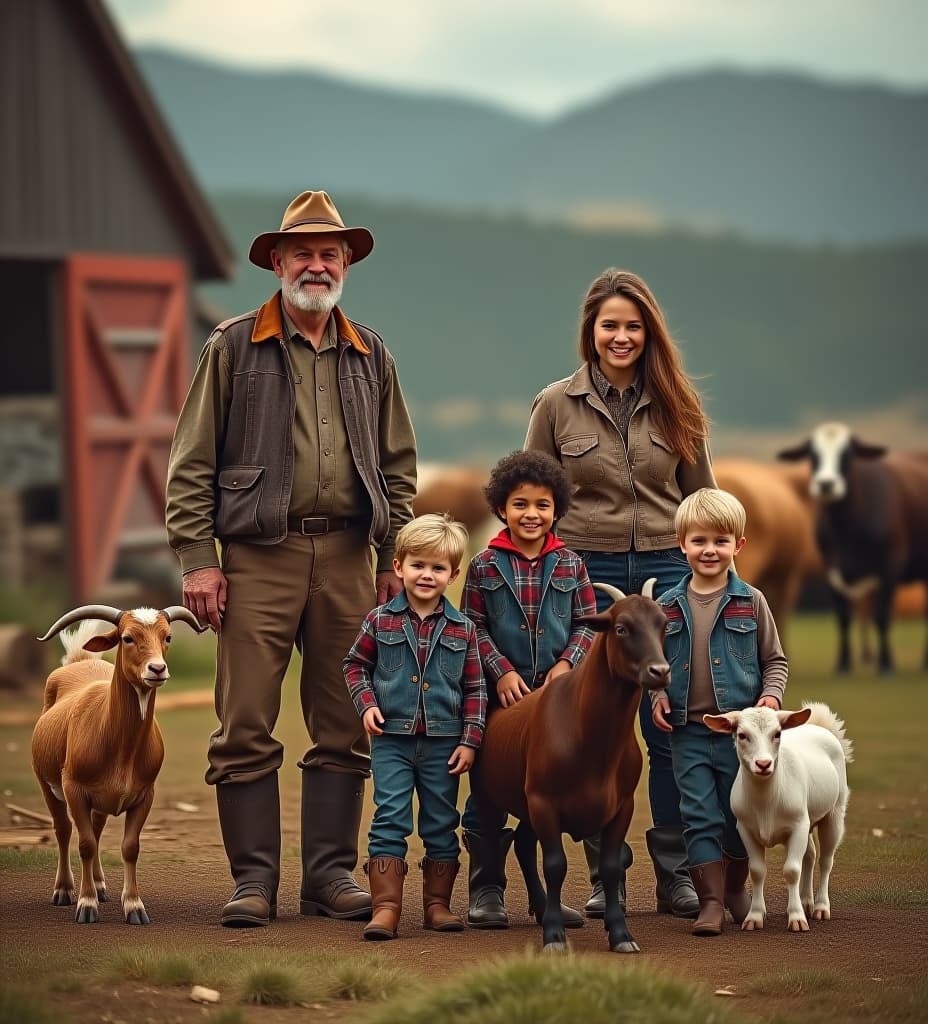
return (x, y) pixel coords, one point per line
(310, 526)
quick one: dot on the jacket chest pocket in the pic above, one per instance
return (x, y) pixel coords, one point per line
(582, 459)
(452, 650)
(494, 596)
(741, 637)
(662, 462)
(673, 640)
(391, 651)
(562, 596)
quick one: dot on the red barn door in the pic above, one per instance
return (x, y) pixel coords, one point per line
(125, 379)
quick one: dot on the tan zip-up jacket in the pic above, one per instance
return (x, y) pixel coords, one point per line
(622, 499)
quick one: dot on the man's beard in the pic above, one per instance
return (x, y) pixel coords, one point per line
(312, 302)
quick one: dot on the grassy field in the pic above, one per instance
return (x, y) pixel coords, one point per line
(885, 850)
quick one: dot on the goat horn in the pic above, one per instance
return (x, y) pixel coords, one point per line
(648, 589)
(177, 613)
(88, 611)
(612, 591)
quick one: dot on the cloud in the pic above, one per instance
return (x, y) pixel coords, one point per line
(540, 56)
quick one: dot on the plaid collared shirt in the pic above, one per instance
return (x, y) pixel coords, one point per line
(621, 404)
(361, 661)
(527, 576)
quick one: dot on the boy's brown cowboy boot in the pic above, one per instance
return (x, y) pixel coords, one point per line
(709, 883)
(736, 897)
(437, 883)
(386, 876)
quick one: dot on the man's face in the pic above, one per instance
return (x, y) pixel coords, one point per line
(312, 270)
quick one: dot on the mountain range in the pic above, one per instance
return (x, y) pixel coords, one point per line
(770, 156)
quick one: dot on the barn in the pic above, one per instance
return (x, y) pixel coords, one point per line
(104, 235)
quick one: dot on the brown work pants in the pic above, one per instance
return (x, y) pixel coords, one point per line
(310, 591)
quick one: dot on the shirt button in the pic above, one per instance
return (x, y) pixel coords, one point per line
(540, 631)
(716, 661)
(686, 665)
(324, 420)
(322, 387)
(523, 626)
(425, 686)
(327, 452)
(406, 725)
(415, 679)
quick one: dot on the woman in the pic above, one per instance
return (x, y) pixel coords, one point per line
(629, 429)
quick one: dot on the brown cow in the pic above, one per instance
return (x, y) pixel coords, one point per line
(454, 489)
(565, 759)
(781, 552)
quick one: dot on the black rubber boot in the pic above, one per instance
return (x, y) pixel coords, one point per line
(249, 817)
(485, 899)
(675, 892)
(596, 904)
(331, 816)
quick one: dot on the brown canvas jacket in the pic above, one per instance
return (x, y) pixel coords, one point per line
(622, 498)
(231, 466)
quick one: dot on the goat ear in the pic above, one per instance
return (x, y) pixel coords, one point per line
(722, 723)
(801, 451)
(102, 642)
(598, 623)
(790, 719)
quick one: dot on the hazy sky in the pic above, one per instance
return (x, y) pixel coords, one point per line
(540, 56)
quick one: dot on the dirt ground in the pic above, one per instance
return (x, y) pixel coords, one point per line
(184, 881)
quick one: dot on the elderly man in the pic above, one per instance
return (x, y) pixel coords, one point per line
(294, 450)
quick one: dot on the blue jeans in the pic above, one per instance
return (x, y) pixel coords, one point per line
(402, 765)
(705, 764)
(628, 571)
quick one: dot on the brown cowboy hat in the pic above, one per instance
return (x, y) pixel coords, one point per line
(311, 213)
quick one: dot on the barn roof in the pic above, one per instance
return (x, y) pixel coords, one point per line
(213, 256)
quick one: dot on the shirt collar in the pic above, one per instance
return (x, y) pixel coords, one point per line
(603, 385)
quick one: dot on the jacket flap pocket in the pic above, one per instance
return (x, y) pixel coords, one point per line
(453, 643)
(563, 583)
(239, 478)
(673, 626)
(659, 441)
(391, 637)
(579, 445)
(741, 624)
(492, 583)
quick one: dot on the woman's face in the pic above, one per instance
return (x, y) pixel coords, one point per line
(619, 338)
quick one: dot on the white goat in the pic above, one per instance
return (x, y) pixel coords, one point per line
(97, 749)
(788, 783)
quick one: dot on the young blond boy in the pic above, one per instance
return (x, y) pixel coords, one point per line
(725, 654)
(415, 677)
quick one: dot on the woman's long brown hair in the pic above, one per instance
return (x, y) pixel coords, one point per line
(676, 407)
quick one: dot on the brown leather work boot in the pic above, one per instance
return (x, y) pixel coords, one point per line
(736, 897)
(709, 883)
(386, 875)
(330, 816)
(437, 883)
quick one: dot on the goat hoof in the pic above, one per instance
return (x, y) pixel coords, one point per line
(554, 947)
(138, 917)
(62, 898)
(821, 914)
(800, 924)
(86, 915)
(625, 947)
(101, 896)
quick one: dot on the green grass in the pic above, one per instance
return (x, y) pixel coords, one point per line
(154, 967)
(796, 981)
(540, 989)
(271, 985)
(27, 1008)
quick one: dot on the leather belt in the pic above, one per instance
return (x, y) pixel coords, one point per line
(314, 526)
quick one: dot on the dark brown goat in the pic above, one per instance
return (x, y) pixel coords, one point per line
(565, 759)
(871, 526)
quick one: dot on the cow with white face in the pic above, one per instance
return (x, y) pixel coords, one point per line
(871, 527)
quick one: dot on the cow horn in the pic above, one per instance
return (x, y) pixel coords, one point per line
(648, 589)
(612, 591)
(177, 613)
(87, 611)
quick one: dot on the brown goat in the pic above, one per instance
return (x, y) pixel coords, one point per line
(97, 749)
(565, 759)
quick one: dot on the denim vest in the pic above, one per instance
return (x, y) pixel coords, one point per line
(396, 678)
(733, 659)
(508, 623)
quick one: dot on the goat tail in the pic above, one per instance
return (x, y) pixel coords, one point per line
(825, 718)
(73, 641)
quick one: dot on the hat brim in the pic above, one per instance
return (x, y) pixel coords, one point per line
(360, 242)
